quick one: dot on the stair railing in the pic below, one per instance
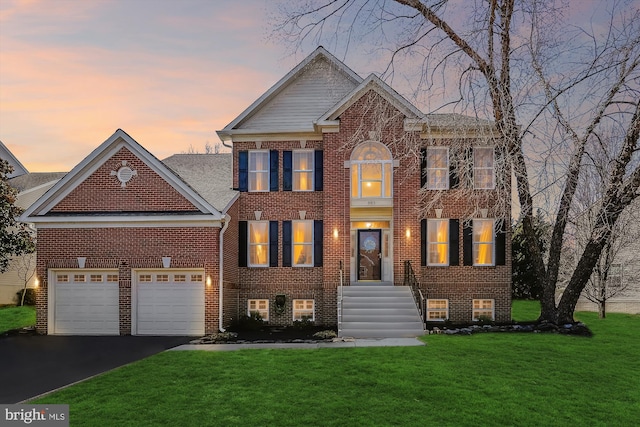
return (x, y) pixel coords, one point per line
(411, 280)
(340, 295)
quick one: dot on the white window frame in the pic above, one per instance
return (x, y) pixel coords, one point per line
(615, 275)
(431, 170)
(251, 245)
(476, 244)
(431, 310)
(477, 169)
(298, 313)
(296, 169)
(308, 244)
(480, 310)
(257, 303)
(434, 223)
(253, 172)
(386, 168)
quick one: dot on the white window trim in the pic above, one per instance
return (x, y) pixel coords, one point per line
(482, 311)
(263, 312)
(249, 244)
(492, 168)
(435, 221)
(310, 262)
(446, 168)
(251, 172)
(431, 310)
(492, 242)
(310, 171)
(300, 312)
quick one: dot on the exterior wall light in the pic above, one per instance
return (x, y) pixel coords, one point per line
(335, 233)
(208, 281)
(408, 233)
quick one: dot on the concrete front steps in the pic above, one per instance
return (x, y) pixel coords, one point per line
(374, 311)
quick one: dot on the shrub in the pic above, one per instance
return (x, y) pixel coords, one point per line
(29, 297)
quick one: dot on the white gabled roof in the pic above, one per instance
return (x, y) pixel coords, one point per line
(376, 84)
(38, 210)
(18, 168)
(297, 99)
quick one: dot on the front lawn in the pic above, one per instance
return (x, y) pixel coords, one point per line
(516, 379)
(17, 317)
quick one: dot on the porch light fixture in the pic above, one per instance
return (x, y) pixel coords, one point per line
(36, 282)
(208, 281)
(335, 233)
(408, 233)
(369, 225)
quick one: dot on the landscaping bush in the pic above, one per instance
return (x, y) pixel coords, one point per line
(29, 298)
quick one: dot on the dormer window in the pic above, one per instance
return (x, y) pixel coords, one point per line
(371, 171)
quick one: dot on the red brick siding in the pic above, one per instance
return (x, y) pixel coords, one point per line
(128, 249)
(102, 192)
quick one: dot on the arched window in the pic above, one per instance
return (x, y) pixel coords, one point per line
(371, 171)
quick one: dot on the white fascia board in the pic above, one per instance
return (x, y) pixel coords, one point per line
(230, 204)
(328, 126)
(283, 82)
(247, 135)
(93, 161)
(116, 221)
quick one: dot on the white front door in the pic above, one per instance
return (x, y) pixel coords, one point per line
(168, 302)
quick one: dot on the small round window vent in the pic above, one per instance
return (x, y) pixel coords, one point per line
(124, 174)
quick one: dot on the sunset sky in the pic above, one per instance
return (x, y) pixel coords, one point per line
(169, 73)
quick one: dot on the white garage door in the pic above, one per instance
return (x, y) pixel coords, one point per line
(169, 303)
(85, 302)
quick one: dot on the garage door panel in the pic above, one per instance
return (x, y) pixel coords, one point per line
(173, 306)
(85, 308)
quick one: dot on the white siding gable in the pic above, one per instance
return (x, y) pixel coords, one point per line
(303, 100)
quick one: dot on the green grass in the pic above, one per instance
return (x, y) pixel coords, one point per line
(518, 379)
(16, 317)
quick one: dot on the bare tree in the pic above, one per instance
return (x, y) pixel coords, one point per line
(25, 268)
(551, 89)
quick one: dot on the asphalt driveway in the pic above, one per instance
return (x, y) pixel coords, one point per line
(33, 364)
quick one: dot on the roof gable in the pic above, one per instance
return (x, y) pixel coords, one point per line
(299, 98)
(377, 85)
(119, 176)
(18, 168)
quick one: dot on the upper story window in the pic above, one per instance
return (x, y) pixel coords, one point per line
(371, 171)
(258, 170)
(483, 168)
(437, 168)
(303, 170)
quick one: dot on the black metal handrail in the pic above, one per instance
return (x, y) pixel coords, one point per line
(411, 280)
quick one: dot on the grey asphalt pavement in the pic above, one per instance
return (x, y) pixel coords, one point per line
(31, 365)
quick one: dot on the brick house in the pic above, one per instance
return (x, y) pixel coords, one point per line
(333, 180)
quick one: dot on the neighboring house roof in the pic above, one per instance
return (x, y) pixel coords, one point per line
(116, 142)
(32, 186)
(298, 99)
(18, 168)
(210, 175)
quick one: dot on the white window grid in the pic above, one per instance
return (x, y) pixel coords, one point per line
(259, 305)
(484, 308)
(258, 174)
(304, 309)
(437, 310)
(437, 174)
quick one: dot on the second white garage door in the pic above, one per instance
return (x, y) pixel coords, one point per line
(169, 303)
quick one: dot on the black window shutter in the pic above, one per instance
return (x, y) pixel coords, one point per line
(317, 243)
(287, 171)
(423, 242)
(501, 244)
(454, 179)
(423, 168)
(243, 170)
(286, 244)
(467, 243)
(273, 170)
(318, 170)
(273, 243)
(454, 242)
(243, 242)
